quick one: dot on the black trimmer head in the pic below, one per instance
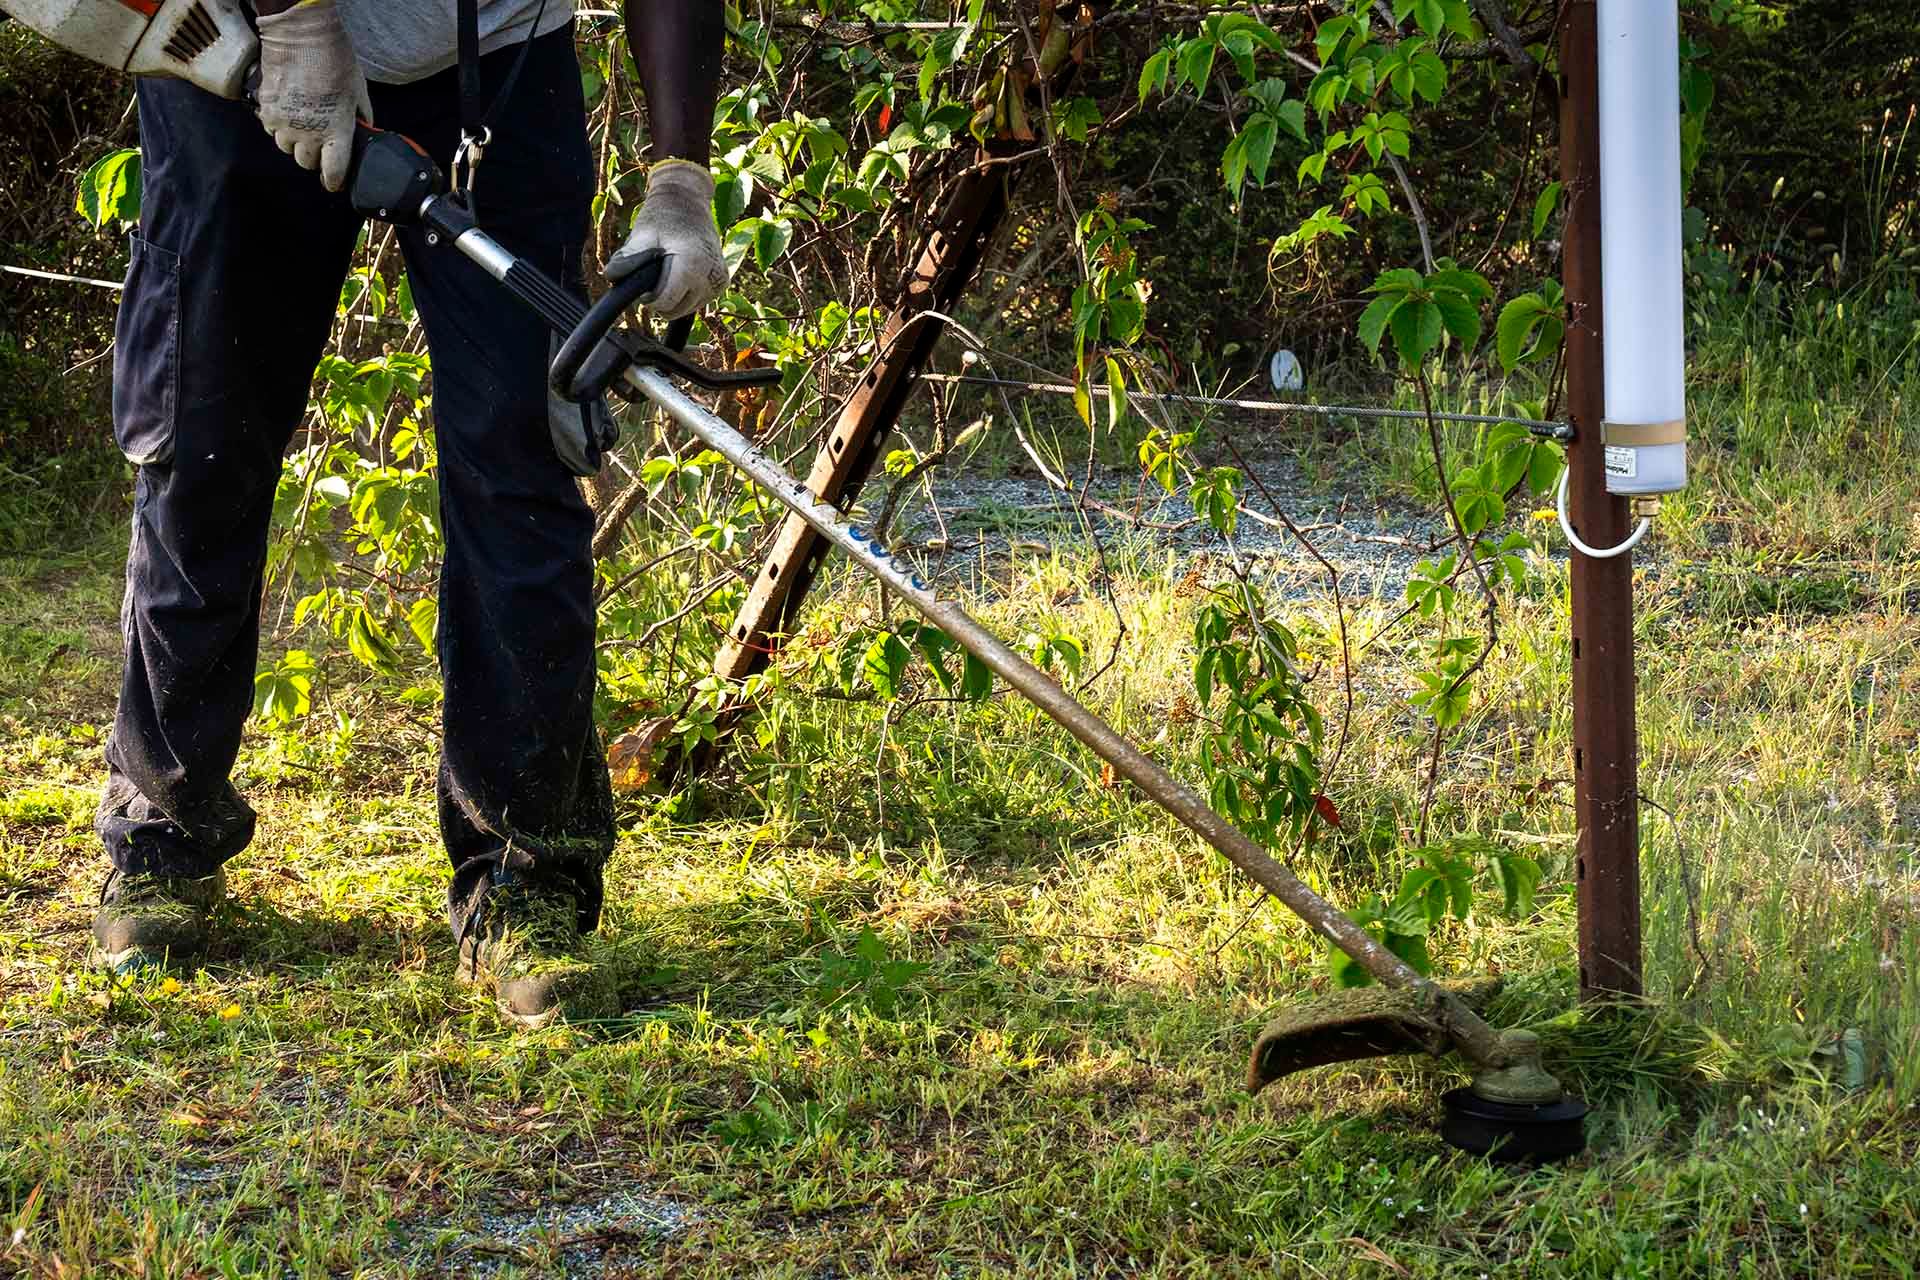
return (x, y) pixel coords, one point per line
(1513, 1133)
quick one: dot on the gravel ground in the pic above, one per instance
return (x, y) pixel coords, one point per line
(1373, 543)
(610, 1235)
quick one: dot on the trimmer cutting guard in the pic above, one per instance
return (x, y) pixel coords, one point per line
(1361, 1022)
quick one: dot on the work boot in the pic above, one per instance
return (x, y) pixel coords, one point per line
(148, 920)
(526, 946)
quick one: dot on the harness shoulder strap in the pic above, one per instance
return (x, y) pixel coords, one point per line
(471, 107)
(477, 117)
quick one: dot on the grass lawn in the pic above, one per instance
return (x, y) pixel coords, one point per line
(916, 993)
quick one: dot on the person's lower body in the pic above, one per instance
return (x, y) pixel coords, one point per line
(232, 288)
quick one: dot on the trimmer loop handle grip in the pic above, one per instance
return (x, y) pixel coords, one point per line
(593, 356)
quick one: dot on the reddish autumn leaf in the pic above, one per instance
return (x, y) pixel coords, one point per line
(1324, 807)
(886, 115)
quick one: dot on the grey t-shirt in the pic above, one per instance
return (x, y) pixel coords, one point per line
(400, 41)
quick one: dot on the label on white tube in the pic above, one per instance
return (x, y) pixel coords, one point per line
(1622, 463)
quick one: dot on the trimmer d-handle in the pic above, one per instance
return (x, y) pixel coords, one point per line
(394, 180)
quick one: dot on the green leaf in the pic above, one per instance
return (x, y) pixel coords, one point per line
(1696, 89)
(1429, 75)
(1416, 330)
(422, 619)
(1516, 877)
(1399, 280)
(1345, 970)
(1544, 206)
(1515, 324)
(1116, 394)
(1408, 914)
(1373, 321)
(1510, 465)
(1543, 470)
(367, 641)
(283, 692)
(1412, 948)
(1461, 318)
(1086, 311)
(1070, 651)
(1368, 193)
(1233, 163)
(1260, 134)
(976, 680)
(1196, 64)
(1126, 316)
(730, 194)
(884, 663)
(1153, 76)
(110, 189)
(770, 240)
(934, 645)
(1331, 32)
(1480, 508)
(1293, 114)
(1239, 47)
(1431, 15)
(1075, 117)
(1214, 498)
(1469, 284)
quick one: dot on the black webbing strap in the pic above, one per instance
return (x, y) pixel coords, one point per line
(471, 109)
(476, 120)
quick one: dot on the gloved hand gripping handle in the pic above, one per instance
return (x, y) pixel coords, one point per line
(395, 181)
(595, 354)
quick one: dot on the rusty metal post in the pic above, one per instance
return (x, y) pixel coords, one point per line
(1605, 742)
(948, 259)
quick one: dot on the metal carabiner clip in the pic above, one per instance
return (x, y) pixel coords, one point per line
(466, 162)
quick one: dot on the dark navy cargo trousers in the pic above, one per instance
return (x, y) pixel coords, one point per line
(235, 275)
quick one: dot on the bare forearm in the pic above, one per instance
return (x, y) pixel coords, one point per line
(677, 45)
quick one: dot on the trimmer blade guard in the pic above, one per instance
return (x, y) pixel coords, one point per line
(1361, 1022)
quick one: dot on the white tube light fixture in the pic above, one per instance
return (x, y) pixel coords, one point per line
(1640, 257)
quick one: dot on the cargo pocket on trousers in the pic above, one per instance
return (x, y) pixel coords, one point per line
(146, 355)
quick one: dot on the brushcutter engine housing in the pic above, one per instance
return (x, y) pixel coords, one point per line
(209, 43)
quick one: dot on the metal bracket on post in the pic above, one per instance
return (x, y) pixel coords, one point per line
(1605, 737)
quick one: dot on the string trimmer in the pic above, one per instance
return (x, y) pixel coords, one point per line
(1512, 1107)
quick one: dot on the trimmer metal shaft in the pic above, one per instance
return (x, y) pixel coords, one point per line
(1472, 1035)
(1490, 1050)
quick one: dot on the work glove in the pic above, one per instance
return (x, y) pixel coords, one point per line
(677, 216)
(311, 88)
